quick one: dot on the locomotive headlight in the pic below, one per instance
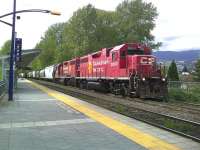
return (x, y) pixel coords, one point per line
(163, 79)
(143, 79)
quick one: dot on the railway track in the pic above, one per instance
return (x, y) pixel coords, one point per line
(184, 127)
(186, 107)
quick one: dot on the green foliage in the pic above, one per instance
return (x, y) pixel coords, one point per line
(173, 72)
(49, 45)
(90, 29)
(197, 71)
(177, 94)
(135, 20)
(184, 91)
(5, 49)
(82, 28)
(178, 126)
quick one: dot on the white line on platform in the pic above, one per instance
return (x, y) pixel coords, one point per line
(44, 123)
(35, 100)
(67, 108)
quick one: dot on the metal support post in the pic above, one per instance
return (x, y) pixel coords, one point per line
(2, 65)
(11, 72)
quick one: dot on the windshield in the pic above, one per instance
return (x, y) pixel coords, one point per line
(134, 51)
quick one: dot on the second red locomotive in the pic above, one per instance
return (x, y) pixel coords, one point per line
(127, 69)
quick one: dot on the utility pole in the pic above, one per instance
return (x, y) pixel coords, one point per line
(11, 73)
(12, 50)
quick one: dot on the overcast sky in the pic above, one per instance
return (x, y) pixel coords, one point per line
(177, 25)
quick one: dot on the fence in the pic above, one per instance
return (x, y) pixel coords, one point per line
(2, 88)
(3, 75)
(185, 91)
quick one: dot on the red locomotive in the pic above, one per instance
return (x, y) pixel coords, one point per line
(127, 69)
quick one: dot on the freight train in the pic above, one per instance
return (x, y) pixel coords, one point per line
(128, 69)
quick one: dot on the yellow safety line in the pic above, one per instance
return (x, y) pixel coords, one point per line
(146, 140)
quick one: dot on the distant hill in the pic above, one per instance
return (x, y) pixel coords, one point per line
(186, 55)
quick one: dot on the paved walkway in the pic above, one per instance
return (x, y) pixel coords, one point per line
(43, 119)
(36, 121)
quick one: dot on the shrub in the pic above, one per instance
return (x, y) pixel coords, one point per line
(181, 95)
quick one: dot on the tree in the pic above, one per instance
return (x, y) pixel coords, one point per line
(136, 19)
(107, 31)
(197, 71)
(185, 69)
(49, 46)
(36, 64)
(90, 29)
(82, 29)
(5, 49)
(173, 72)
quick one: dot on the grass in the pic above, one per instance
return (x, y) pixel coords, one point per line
(178, 94)
(183, 127)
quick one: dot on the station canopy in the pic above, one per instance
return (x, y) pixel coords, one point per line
(28, 56)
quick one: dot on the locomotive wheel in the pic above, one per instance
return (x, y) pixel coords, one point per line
(165, 99)
(65, 82)
(81, 85)
(124, 91)
(137, 94)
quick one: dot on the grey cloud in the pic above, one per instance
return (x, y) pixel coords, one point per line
(171, 38)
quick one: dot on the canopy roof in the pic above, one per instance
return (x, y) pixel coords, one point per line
(28, 56)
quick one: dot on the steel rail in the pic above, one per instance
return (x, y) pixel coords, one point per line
(182, 105)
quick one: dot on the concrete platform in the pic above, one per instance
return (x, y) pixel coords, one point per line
(43, 119)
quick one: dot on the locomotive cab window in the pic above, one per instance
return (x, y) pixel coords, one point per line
(114, 56)
(135, 51)
(123, 54)
(108, 52)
